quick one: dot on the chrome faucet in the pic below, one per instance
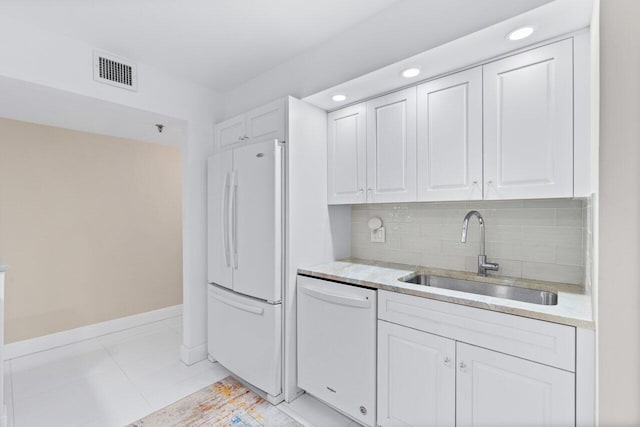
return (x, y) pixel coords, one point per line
(483, 265)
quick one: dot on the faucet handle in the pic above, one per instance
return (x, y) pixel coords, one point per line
(493, 266)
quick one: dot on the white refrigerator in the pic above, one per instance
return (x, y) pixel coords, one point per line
(246, 262)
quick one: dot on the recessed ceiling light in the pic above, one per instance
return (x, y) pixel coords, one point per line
(339, 97)
(520, 33)
(410, 72)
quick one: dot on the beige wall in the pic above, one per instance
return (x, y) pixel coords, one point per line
(90, 225)
(619, 275)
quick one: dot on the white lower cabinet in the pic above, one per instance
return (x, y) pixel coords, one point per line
(416, 377)
(494, 389)
(427, 376)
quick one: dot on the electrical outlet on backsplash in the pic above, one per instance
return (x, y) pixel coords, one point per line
(534, 239)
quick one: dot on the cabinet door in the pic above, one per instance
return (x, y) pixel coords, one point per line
(450, 137)
(391, 147)
(416, 377)
(230, 131)
(347, 155)
(494, 389)
(266, 122)
(528, 124)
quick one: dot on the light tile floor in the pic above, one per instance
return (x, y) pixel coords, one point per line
(118, 378)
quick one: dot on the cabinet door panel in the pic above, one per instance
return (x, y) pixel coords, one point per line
(494, 390)
(230, 131)
(391, 147)
(450, 137)
(416, 377)
(266, 122)
(347, 152)
(528, 124)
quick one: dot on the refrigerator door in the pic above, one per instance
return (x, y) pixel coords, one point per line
(245, 337)
(256, 201)
(219, 221)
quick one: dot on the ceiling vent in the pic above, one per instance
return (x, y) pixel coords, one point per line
(114, 70)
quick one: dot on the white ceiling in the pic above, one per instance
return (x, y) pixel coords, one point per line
(224, 43)
(44, 105)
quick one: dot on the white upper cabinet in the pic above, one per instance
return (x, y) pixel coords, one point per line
(494, 389)
(266, 122)
(450, 137)
(528, 124)
(391, 147)
(230, 131)
(416, 378)
(347, 153)
(258, 125)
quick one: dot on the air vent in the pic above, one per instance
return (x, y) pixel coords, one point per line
(115, 71)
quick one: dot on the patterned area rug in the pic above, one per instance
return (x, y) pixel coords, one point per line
(225, 403)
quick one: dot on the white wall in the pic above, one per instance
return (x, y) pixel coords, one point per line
(35, 56)
(619, 209)
(398, 32)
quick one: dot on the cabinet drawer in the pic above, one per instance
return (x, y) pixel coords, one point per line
(543, 342)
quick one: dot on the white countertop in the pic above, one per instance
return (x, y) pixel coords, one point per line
(574, 305)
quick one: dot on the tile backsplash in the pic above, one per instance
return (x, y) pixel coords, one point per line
(534, 239)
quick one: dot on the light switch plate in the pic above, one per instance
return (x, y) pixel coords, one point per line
(378, 236)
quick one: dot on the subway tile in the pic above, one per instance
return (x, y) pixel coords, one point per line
(524, 217)
(442, 216)
(552, 203)
(569, 255)
(537, 252)
(455, 247)
(424, 246)
(439, 205)
(401, 256)
(447, 232)
(525, 236)
(569, 217)
(493, 204)
(452, 262)
(503, 233)
(373, 253)
(567, 236)
(553, 272)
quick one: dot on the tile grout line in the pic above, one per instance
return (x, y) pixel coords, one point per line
(134, 386)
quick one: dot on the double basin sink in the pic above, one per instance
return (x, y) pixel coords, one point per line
(533, 296)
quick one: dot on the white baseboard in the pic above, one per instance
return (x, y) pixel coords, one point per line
(192, 355)
(47, 342)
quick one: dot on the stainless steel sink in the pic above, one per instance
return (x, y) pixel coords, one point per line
(533, 296)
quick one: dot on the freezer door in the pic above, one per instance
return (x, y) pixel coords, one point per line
(245, 336)
(219, 220)
(257, 220)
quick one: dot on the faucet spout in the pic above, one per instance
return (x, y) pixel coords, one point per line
(483, 265)
(465, 227)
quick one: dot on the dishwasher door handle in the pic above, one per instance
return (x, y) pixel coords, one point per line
(352, 301)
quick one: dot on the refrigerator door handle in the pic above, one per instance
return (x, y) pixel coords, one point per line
(239, 305)
(234, 220)
(225, 219)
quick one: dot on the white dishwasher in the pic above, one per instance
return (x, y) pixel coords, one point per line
(337, 346)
